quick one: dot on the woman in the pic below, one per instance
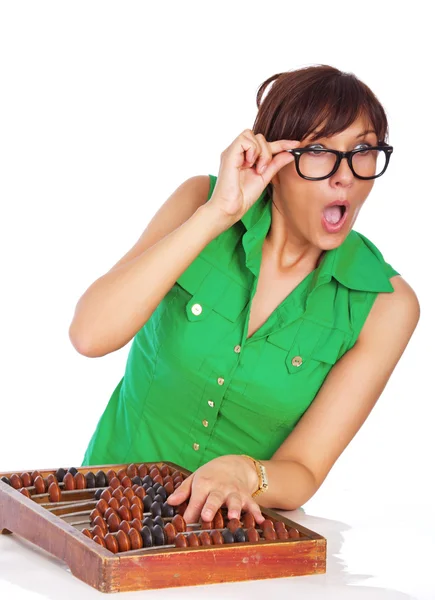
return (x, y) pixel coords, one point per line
(264, 326)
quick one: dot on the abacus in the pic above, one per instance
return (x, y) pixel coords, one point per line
(112, 526)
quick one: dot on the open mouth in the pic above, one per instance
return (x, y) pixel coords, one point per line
(334, 214)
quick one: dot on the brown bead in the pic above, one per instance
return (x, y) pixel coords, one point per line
(293, 533)
(140, 492)
(216, 537)
(114, 503)
(39, 484)
(123, 540)
(99, 540)
(170, 532)
(136, 512)
(279, 526)
(96, 530)
(233, 524)
(128, 493)
(102, 506)
(136, 524)
(115, 482)
(282, 534)
(124, 526)
(111, 543)
(268, 523)
(143, 470)
(80, 481)
(152, 467)
(248, 520)
(135, 539)
(204, 538)
(125, 502)
(179, 523)
(158, 479)
(25, 492)
(181, 508)
(95, 513)
(206, 524)
(126, 482)
(54, 492)
(177, 485)
(106, 494)
(101, 523)
(125, 513)
(167, 478)
(138, 501)
(218, 521)
(27, 480)
(121, 474)
(169, 487)
(110, 475)
(252, 535)
(177, 479)
(87, 533)
(180, 541)
(175, 473)
(192, 540)
(132, 470)
(118, 492)
(135, 487)
(164, 470)
(34, 475)
(108, 512)
(113, 522)
(69, 481)
(269, 533)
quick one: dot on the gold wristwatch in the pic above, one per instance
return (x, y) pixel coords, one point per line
(263, 483)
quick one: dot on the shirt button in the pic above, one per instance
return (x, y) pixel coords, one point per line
(196, 446)
(221, 381)
(196, 309)
(205, 423)
(211, 403)
(237, 348)
(297, 361)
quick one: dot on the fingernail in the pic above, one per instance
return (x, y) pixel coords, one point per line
(263, 168)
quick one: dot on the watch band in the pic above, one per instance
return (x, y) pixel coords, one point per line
(263, 483)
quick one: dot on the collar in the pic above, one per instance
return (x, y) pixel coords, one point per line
(356, 263)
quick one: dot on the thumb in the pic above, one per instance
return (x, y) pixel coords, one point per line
(279, 161)
(181, 493)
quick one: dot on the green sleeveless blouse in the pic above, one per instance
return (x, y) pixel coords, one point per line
(195, 387)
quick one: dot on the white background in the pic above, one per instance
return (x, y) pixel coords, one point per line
(105, 108)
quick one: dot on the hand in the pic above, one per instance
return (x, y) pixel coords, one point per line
(239, 184)
(226, 480)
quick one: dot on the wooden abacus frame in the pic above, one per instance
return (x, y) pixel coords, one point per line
(158, 568)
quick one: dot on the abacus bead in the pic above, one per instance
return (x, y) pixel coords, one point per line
(97, 530)
(54, 492)
(177, 479)
(168, 510)
(181, 508)
(269, 533)
(136, 480)
(140, 493)
(128, 493)
(293, 533)
(99, 493)
(148, 480)
(60, 474)
(91, 481)
(227, 536)
(158, 479)
(80, 481)
(106, 495)
(151, 492)
(123, 540)
(239, 535)
(132, 470)
(126, 481)
(282, 534)
(136, 512)
(279, 526)
(26, 479)
(147, 536)
(114, 503)
(154, 470)
(6, 480)
(216, 537)
(34, 475)
(109, 511)
(125, 513)
(156, 509)
(102, 505)
(169, 487)
(110, 475)
(252, 535)
(121, 474)
(159, 535)
(192, 539)
(118, 492)
(25, 492)
(159, 521)
(180, 541)
(94, 514)
(87, 533)
(143, 470)
(115, 482)
(136, 524)
(204, 538)
(124, 526)
(162, 492)
(147, 501)
(111, 543)
(113, 522)
(39, 484)
(164, 470)
(158, 498)
(138, 501)
(148, 521)
(218, 521)
(135, 539)
(100, 479)
(125, 502)
(101, 522)
(233, 524)
(50, 479)
(99, 540)
(171, 532)
(179, 523)
(167, 479)
(248, 520)
(177, 485)
(206, 524)
(68, 481)
(267, 523)
(72, 470)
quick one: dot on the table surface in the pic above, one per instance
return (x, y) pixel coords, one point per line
(383, 550)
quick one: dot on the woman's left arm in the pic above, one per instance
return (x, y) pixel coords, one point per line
(346, 398)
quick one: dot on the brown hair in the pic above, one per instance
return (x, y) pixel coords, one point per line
(300, 100)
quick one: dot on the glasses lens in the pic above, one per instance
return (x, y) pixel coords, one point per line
(320, 163)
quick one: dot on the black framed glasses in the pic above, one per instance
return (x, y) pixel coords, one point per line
(365, 163)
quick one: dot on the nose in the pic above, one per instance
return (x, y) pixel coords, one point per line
(344, 172)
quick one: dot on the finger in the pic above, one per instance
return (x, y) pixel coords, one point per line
(214, 501)
(282, 145)
(234, 504)
(265, 155)
(181, 493)
(195, 507)
(252, 507)
(278, 162)
(253, 149)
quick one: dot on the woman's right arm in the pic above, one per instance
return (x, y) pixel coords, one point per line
(119, 303)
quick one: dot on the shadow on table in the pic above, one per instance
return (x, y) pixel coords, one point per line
(31, 568)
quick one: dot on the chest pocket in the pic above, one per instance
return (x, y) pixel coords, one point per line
(308, 343)
(211, 291)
